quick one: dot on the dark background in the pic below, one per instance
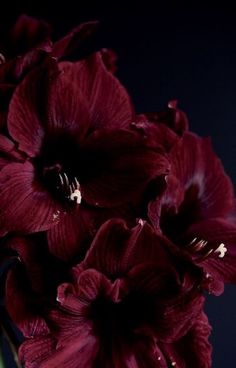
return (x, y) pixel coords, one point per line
(170, 50)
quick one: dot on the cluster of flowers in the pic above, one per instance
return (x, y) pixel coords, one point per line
(117, 222)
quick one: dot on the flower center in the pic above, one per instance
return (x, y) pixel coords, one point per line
(200, 249)
(71, 190)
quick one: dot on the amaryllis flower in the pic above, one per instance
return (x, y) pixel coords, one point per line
(125, 307)
(195, 212)
(27, 46)
(72, 124)
(172, 117)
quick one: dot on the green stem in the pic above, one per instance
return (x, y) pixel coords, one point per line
(2, 365)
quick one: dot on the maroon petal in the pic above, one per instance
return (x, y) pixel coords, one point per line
(173, 312)
(109, 103)
(218, 268)
(68, 109)
(116, 248)
(79, 351)
(23, 120)
(23, 311)
(68, 44)
(124, 166)
(172, 117)
(8, 152)
(208, 190)
(34, 351)
(24, 205)
(30, 33)
(109, 58)
(194, 349)
(70, 238)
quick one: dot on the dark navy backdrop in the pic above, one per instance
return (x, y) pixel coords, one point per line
(174, 50)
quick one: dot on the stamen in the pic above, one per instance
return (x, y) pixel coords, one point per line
(221, 250)
(70, 190)
(75, 189)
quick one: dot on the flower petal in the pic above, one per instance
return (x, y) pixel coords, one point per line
(68, 110)
(122, 167)
(109, 103)
(194, 349)
(25, 111)
(116, 248)
(66, 45)
(25, 207)
(33, 351)
(202, 176)
(23, 311)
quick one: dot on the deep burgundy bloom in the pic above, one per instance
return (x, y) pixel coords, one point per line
(28, 45)
(125, 307)
(71, 124)
(196, 211)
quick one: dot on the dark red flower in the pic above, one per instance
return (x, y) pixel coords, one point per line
(172, 117)
(125, 307)
(72, 124)
(28, 45)
(195, 212)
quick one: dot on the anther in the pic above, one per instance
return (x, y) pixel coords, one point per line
(221, 250)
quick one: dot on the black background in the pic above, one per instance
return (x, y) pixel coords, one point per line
(169, 50)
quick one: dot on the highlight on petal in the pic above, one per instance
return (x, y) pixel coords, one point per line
(200, 172)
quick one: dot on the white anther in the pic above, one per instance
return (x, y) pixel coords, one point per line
(221, 250)
(141, 222)
(76, 195)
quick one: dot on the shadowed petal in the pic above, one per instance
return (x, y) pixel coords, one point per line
(24, 206)
(28, 106)
(123, 167)
(194, 349)
(73, 40)
(116, 248)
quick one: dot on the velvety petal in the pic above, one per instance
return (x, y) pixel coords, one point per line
(173, 313)
(70, 238)
(173, 117)
(25, 207)
(116, 248)
(44, 272)
(8, 152)
(23, 311)
(80, 351)
(217, 270)
(109, 103)
(208, 190)
(68, 44)
(24, 112)
(157, 135)
(194, 349)
(109, 58)
(26, 34)
(140, 354)
(68, 109)
(34, 351)
(123, 165)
